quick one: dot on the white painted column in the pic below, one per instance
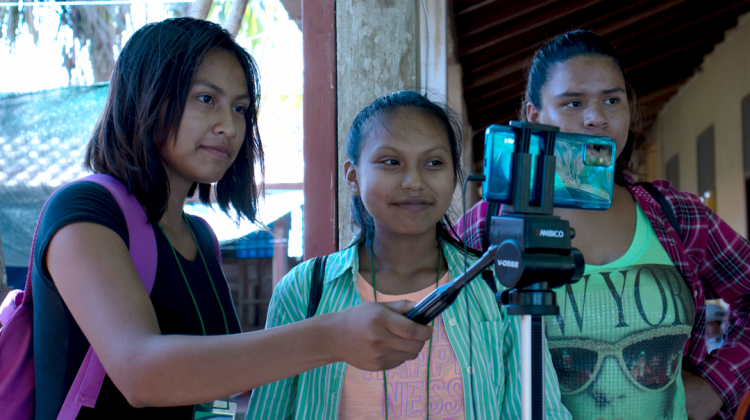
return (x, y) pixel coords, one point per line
(434, 48)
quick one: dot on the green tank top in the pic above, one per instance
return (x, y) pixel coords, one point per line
(617, 343)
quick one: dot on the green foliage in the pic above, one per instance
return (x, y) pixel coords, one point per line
(251, 24)
(99, 27)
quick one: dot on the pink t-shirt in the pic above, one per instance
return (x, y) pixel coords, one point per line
(362, 392)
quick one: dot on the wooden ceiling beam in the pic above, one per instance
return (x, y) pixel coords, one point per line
(518, 58)
(494, 14)
(554, 12)
(617, 23)
(532, 35)
(496, 69)
(692, 24)
(662, 44)
(660, 52)
(466, 6)
(513, 94)
(675, 41)
(660, 93)
(515, 98)
(671, 20)
(499, 115)
(498, 84)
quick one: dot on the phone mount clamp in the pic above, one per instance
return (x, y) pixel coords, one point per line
(531, 250)
(533, 254)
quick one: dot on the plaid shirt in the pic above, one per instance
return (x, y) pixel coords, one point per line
(715, 262)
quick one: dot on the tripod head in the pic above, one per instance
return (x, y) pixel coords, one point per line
(530, 247)
(534, 250)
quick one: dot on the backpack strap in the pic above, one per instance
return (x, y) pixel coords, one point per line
(217, 248)
(316, 285)
(665, 206)
(88, 381)
(492, 209)
(487, 275)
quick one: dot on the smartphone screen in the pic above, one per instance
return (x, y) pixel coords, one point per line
(584, 168)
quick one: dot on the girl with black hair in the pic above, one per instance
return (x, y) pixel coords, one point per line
(629, 341)
(403, 166)
(181, 115)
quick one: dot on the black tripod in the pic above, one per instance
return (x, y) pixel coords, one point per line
(532, 253)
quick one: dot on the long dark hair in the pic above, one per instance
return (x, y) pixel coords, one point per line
(155, 70)
(561, 49)
(381, 110)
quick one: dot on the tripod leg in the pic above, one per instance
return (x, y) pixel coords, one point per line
(526, 367)
(532, 367)
(537, 367)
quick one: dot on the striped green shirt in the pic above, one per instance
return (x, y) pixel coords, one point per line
(496, 373)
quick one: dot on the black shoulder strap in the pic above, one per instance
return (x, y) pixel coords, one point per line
(489, 278)
(492, 209)
(665, 206)
(316, 286)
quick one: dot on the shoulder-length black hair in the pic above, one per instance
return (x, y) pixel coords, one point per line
(379, 111)
(561, 49)
(155, 71)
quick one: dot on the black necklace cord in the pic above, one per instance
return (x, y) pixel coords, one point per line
(208, 273)
(429, 351)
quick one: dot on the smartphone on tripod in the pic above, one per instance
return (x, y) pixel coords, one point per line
(584, 168)
(583, 179)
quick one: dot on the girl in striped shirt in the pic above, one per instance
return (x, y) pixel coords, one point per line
(403, 167)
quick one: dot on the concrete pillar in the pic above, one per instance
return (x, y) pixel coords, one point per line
(377, 52)
(433, 27)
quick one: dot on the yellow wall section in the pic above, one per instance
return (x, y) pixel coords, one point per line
(713, 96)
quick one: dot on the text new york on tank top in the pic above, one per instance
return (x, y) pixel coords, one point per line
(617, 343)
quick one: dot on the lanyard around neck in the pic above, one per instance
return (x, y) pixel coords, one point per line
(429, 351)
(210, 279)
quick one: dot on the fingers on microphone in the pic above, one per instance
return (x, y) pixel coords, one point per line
(403, 327)
(400, 306)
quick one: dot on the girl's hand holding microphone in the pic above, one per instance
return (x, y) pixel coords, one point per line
(375, 336)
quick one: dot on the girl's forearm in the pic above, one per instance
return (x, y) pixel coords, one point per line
(173, 370)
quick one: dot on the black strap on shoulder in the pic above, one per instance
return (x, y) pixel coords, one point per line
(492, 209)
(489, 278)
(487, 275)
(316, 286)
(665, 206)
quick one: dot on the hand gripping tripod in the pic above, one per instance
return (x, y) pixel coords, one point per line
(531, 251)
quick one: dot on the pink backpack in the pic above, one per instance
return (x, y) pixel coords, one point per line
(16, 314)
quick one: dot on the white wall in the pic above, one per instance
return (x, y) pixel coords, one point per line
(712, 97)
